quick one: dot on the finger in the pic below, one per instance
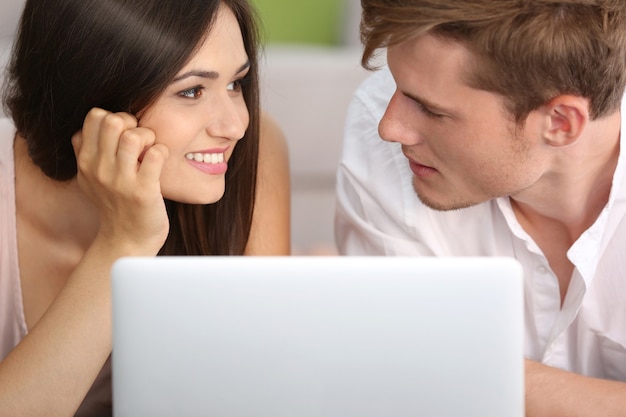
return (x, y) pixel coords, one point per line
(112, 127)
(152, 165)
(77, 139)
(87, 137)
(132, 145)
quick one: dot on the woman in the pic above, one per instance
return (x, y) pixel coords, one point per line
(135, 131)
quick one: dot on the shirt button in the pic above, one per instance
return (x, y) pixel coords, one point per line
(542, 269)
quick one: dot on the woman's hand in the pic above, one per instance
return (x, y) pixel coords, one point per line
(119, 168)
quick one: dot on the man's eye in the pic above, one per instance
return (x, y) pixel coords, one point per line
(427, 111)
(194, 92)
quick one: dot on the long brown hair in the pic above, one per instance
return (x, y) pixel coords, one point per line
(72, 55)
(528, 51)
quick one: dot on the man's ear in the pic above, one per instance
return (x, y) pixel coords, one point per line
(567, 117)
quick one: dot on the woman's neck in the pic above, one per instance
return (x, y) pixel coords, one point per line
(58, 210)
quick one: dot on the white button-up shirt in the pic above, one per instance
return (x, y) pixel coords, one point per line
(378, 213)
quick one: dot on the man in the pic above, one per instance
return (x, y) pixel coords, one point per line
(500, 123)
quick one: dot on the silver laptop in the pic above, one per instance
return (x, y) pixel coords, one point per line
(317, 337)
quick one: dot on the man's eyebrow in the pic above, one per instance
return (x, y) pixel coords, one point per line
(212, 75)
(429, 105)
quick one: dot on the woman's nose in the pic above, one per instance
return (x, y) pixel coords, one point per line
(229, 118)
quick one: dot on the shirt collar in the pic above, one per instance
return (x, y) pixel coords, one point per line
(586, 251)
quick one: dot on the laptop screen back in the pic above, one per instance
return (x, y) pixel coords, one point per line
(317, 337)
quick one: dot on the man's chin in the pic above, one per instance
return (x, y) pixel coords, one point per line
(439, 206)
(443, 203)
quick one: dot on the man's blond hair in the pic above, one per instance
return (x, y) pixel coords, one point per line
(528, 51)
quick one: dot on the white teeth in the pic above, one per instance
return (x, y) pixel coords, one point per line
(207, 158)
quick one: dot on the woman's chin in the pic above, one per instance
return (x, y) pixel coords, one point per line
(209, 197)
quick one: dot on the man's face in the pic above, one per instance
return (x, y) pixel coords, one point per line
(462, 145)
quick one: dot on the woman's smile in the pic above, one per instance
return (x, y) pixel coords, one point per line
(211, 162)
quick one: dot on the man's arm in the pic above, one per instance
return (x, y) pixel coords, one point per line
(552, 392)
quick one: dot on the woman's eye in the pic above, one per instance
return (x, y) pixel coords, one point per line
(234, 86)
(194, 92)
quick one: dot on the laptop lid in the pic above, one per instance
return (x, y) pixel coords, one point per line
(317, 337)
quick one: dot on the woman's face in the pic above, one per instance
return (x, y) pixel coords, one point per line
(202, 114)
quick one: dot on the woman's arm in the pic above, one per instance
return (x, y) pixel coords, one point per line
(51, 370)
(271, 228)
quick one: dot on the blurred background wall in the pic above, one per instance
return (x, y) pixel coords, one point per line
(311, 67)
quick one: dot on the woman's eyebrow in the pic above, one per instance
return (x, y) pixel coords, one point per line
(243, 67)
(212, 75)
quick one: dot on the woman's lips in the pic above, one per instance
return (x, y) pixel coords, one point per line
(211, 161)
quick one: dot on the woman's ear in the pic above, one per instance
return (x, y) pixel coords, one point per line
(567, 118)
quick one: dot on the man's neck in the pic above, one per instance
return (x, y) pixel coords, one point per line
(568, 199)
(574, 190)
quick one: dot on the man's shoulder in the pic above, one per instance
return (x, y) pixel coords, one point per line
(377, 88)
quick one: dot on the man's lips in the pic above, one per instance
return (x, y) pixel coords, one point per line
(420, 170)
